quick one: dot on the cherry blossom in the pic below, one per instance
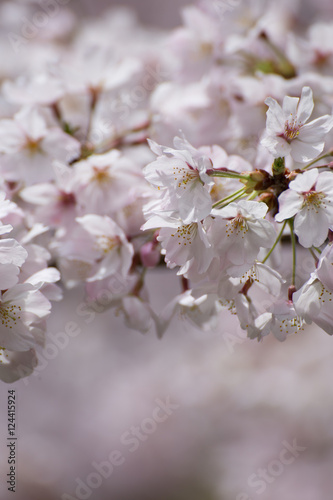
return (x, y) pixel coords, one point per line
(314, 299)
(124, 150)
(180, 175)
(310, 199)
(23, 309)
(101, 181)
(314, 303)
(99, 249)
(29, 144)
(239, 231)
(182, 243)
(287, 131)
(200, 307)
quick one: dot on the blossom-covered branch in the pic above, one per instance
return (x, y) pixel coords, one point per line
(123, 149)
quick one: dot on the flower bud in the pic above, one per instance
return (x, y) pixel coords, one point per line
(271, 201)
(260, 180)
(278, 166)
(150, 254)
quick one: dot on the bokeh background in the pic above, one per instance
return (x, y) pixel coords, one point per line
(164, 14)
(238, 401)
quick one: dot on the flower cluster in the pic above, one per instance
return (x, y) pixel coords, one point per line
(232, 202)
(27, 286)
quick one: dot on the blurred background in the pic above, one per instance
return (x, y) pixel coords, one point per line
(151, 12)
(229, 407)
(237, 419)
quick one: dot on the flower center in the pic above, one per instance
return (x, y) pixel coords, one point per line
(185, 234)
(101, 175)
(206, 48)
(237, 225)
(33, 146)
(313, 200)
(291, 129)
(290, 325)
(107, 243)
(184, 176)
(9, 314)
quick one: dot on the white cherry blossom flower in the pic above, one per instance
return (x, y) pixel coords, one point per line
(314, 300)
(114, 253)
(182, 243)
(280, 318)
(200, 307)
(23, 310)
(261, 305)
(310, 199)
(98, 249)
(107, 182)
(253, 295)
(315, 51)
(238, 232)
(29, 145)
(98, 70)
(287, 131)
(180, 175)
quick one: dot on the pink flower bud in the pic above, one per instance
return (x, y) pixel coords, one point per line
(150, 254)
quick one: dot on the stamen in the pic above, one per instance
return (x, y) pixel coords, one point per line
(291, 129)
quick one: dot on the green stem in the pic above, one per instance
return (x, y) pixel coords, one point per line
(252, 196)
(232, 197)
(275, 243)
(293, 242)
(313, 255)
(317, 159)
(317, 249)
(229, 175)
(94, 95)
(286, 66)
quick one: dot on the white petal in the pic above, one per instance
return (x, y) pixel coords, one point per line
(12, 253)
(303, 152)
(8, 276)
(316, 130)
(290, 203)
(305, 106)
(311, 227)
(275, 117)
(277, 146)
(305, 181)
(15, 365)
(32, 122)
(290, 107)
(40, 194)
